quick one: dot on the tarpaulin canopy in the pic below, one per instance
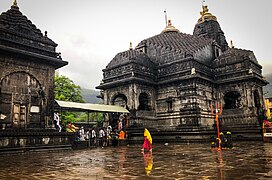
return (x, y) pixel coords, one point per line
(74, 106)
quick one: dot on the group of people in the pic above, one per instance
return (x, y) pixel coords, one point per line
(102, 137)
(107, 136)
(225, 141)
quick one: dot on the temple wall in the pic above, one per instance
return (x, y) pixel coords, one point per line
(10, 66)
(247, 112)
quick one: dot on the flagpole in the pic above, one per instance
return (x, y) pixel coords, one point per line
(165, 14)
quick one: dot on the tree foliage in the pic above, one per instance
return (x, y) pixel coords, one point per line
(66, 90)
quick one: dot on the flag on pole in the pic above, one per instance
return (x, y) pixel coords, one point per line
(148, 136)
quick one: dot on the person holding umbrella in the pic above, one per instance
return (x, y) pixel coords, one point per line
(147, 145)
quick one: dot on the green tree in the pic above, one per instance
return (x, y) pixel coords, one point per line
(66, 90)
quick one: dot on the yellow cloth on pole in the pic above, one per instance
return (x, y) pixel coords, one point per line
(148, 136)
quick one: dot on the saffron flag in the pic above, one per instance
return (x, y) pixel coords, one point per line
(148, 136)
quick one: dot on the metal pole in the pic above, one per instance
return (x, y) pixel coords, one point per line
(88, 118)
(217, 112)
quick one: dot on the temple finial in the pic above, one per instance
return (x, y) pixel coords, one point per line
(203, 1)
(205, 14)
(14, 3)
(170, 27)
(231, 44)
(130, 46)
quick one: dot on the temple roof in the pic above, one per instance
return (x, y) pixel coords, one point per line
(181, 42)
(129, 56)
(236, 52)
(18, 35)
(233, 55)
(13, 20)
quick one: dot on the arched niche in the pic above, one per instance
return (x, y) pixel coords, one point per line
(120, 100)
(232, 100)
(144, 102)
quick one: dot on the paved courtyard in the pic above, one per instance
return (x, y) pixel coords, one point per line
(247, 160)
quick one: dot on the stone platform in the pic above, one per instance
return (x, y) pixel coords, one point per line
(193, 134)
(28, 140)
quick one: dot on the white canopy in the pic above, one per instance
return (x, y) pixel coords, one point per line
(74, 106)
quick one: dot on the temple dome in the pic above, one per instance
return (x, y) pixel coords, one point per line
(180, 43)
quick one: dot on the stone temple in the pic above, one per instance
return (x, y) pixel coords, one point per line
(171, 80)
(28, 60)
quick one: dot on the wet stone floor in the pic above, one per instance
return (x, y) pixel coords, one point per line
(247, 160)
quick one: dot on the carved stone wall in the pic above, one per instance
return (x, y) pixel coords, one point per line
(21, 78)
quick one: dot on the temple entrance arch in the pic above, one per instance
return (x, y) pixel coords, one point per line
(21, 99)
(232, 100)
(144, 102)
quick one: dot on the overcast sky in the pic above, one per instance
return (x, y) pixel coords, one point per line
(89, 33)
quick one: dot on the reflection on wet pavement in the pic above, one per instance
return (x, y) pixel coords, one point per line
(248, 160)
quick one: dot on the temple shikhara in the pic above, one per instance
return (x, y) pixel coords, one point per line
(172, 80)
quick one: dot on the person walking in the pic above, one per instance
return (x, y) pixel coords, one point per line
(93, 137)
(57, 121)
(101, 135)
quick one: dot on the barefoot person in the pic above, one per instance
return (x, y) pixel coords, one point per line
(147, 145)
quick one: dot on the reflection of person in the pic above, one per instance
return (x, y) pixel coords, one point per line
(147, 145)
(148, 159)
